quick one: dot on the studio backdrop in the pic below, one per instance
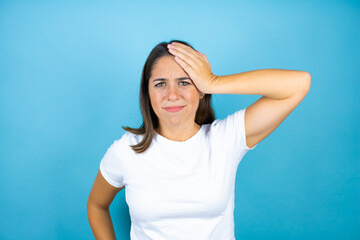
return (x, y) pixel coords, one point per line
(70, 77)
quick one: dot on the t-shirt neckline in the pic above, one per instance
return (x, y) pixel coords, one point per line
(191, 140)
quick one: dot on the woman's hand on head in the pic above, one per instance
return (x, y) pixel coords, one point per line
(195, 64)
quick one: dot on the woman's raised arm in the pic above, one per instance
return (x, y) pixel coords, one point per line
(282, 92)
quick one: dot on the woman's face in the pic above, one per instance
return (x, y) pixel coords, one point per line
(171, 91)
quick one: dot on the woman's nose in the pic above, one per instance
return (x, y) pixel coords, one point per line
(173, 93)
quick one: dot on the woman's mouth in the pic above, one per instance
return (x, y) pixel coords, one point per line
(174, 108)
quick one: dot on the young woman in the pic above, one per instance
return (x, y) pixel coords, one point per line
(179, 167)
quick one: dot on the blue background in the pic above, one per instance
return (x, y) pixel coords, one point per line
(70, 76)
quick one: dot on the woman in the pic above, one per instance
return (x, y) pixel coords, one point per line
(179, 167)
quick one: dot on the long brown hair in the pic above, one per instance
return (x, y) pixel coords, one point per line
(204, 113)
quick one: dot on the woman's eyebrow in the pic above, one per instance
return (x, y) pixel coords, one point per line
(165, 79)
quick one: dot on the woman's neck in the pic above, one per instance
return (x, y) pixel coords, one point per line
(179, 134)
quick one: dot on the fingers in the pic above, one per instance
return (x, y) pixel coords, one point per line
(203, 56)
(183, 59)
(186, 53)
(183, 64)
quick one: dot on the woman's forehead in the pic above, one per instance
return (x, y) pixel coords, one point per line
(168, 68)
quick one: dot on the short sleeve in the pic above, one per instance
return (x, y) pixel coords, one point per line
(238, 121)
(111, 165)
(233, 131)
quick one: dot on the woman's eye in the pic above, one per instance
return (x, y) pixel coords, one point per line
(157, 85)
(186, 83)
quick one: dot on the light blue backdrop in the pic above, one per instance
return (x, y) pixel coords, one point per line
(70, 76)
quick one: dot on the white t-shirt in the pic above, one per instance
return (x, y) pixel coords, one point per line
(180, 190)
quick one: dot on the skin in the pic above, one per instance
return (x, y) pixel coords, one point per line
(176, 126)
(101, 196)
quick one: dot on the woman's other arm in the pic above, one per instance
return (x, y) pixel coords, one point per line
(282, 91)
(100, 198)
(271, 83)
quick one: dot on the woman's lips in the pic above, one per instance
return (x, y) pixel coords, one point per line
(174, 109)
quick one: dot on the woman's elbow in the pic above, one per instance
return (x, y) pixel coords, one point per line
(305, 81)
(308, 81)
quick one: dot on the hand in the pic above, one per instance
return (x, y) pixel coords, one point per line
(195, 64)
